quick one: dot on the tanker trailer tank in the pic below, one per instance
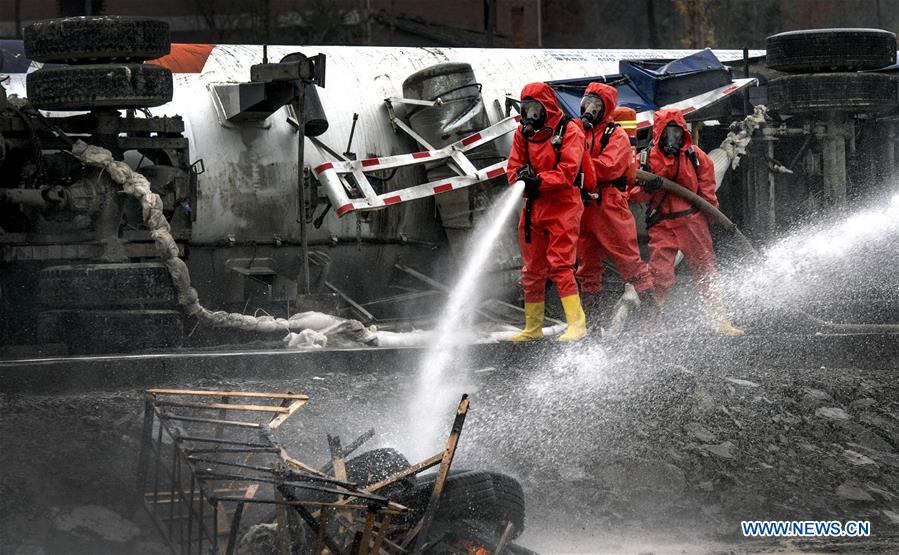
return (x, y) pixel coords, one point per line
(246, 203)
(248, 190)
(460, 113)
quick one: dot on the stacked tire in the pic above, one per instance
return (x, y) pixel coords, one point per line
(109, 308)
(830, 71)
(475, 505)
(482, 500)
(104, 56)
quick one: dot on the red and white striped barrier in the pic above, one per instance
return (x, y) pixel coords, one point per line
(331, 174)
(644, 119)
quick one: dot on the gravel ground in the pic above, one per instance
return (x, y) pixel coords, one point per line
(618, 451)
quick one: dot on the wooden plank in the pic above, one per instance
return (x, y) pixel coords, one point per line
(234, 423)
(414, 469)
(337, 458)
(231, 542)
(216, 490)
(320, 536)
(366, 533)
(319, 505)
(382, 534)
(356, 443)
(340, 474)
(222, 523)
(223, 406)
(300, 465)
(504, 539)
(213, 393)
(218, 441)
(420, 531)
(277, 421)
(220, 450)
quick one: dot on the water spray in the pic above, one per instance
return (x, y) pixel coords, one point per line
(431, 398)
(718, 217)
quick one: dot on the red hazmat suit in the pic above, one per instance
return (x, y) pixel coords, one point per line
(556, 214)
(607, 227)
(679, 226)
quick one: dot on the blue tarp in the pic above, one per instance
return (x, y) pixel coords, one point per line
(665, 82)
(704, 60)
(570, 91)
(649, 84)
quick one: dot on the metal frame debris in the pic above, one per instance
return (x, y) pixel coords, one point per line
(201, 474)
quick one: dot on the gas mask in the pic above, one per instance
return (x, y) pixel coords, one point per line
(592, 110)
(672, 140)
(533, 117)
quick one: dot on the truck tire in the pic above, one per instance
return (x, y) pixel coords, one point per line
(376, 465)
(99, 39)
(828, 92)
(368, 468)
(121, 331)
(489, 498)
(131, 285)
(100, 86)
(816, 50)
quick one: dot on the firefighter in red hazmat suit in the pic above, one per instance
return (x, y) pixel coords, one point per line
(673, 223)
(607, 226)
(547, 154)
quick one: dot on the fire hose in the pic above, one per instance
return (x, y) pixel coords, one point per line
(700, 203)
(718, 217)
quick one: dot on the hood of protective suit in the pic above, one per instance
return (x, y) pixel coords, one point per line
(543, 93)
(609, 97)
(662, 119)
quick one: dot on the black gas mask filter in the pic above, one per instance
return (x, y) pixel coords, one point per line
(592, 110)
(672, 140)
(533, 117)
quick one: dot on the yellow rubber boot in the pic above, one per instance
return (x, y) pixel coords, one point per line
(533, 323)
(720, 318)
(574, 315)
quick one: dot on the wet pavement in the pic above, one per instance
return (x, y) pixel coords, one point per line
(635, 447)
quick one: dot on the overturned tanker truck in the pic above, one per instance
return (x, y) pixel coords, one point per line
(158, 195)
